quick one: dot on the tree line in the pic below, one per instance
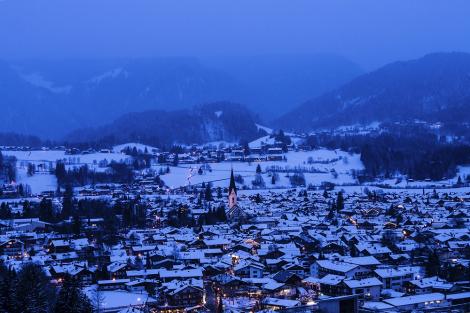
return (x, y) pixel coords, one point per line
(419, 155)
(30, 291)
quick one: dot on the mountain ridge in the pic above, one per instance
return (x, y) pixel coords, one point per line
(219, 121)
(50, 98)
(429, 88)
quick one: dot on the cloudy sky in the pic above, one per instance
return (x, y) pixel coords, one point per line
(370, 32)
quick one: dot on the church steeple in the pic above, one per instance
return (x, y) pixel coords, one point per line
(232, 192)
(232, 183)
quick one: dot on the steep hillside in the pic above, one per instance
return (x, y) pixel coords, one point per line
(50, 98)
(434, 88)
(205, 123)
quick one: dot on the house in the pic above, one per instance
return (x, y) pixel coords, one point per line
(365, 289)
(79, 272)
(428, 285)
(395, 278)
(423, 301)
(278, 304)
(181, 294)
(166, 275)
(112, 284)
(229, 285)
(323, 267)
(248, 269)
(331, 285)
(12, 248)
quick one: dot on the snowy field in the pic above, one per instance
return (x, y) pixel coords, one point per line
(53, 155)
(317, 166)
(118, 299)
(45, 160)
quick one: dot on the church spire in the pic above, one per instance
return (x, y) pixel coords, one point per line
(232, 192)
(232, 185)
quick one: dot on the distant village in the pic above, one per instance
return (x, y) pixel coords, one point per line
(141, 246)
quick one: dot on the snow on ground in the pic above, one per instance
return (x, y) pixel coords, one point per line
(44, 160)
(463, 171)
(266, 129)
(266, 140)
(118, 298)
(401, 182)
(238, 304)
(110, 74)
(36, 79)
(54, 155)
(322, 162)
(38, 182)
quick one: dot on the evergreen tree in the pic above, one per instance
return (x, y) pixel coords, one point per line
(31, 169)
(27, 210)
(60, 172)
(76, 224)
(433, 265)
(258, 169)
(7, 289)
(176, 160)
(221, 215)
(138, 263)
(5, 211)
(21, 191)
(67, 202)
(71, 299)
(34, 294)
(208, 193)
(46, 212)
(340, 201)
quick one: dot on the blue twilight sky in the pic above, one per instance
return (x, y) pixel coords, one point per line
(369, 32)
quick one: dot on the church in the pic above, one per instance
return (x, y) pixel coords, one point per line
(235, 212)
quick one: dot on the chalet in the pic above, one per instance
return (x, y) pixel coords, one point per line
(79, 272)
(323, 267)
(166, 275)
(181, 294)
(12, 248)
(229, 285)
(112, 284)
(249, 269)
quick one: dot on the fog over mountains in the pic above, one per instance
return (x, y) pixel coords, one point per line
(51, 98)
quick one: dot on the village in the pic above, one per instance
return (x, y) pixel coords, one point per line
(218, 244)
